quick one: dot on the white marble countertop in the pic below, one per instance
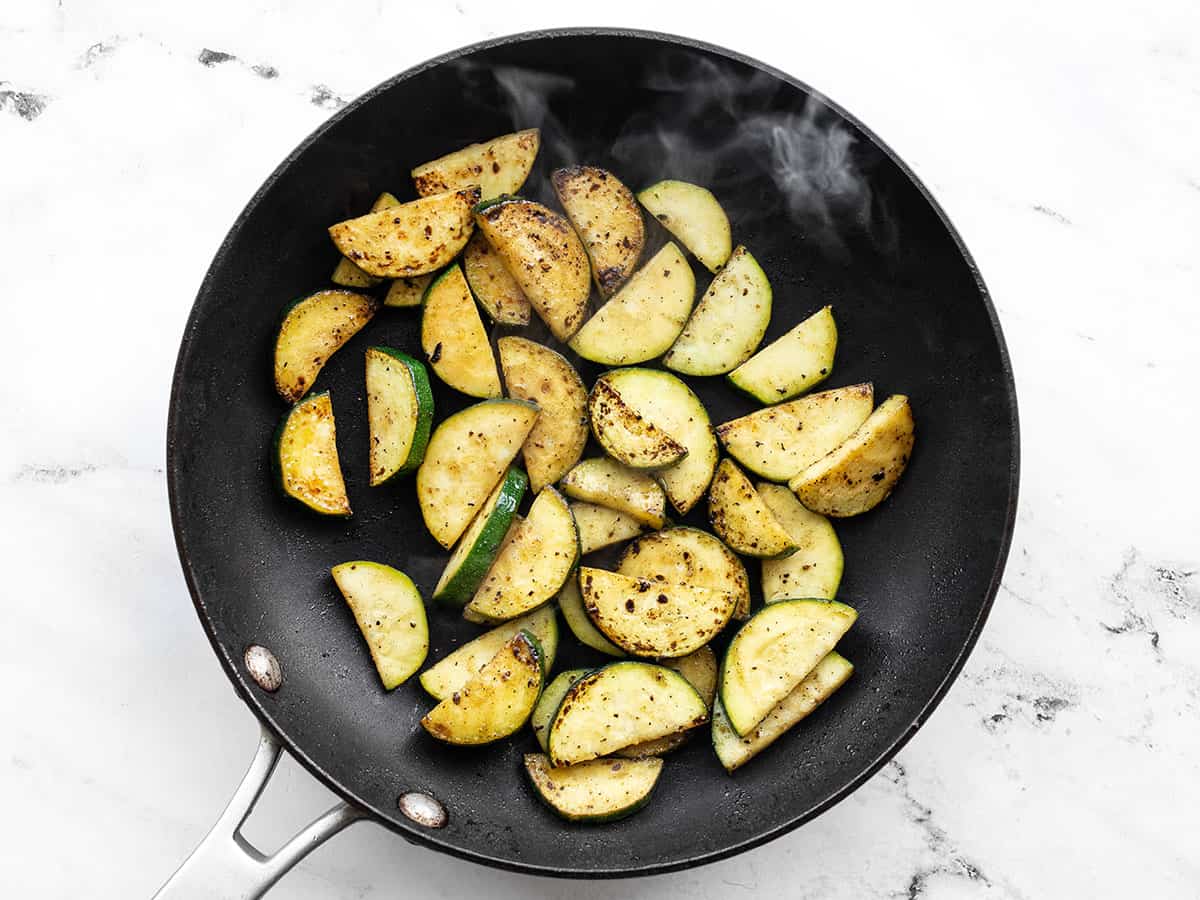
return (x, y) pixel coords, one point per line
(1062, 138)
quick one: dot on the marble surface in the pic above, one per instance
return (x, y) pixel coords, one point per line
(1064, 141)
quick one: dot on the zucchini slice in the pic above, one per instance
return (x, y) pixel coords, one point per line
(815, 569)
(773, 652)
(499, 166)
(700, 669)
(607, 218)
(543, 253)
(492, 284)
(685, 555)
(399, 413)
(465, 459)
(728, 323)
(410, 239)
(600, 790)
(735, 751)
(453, 337)
(663, 399)
(860, 473)
(495, 701)
(601, 527)
(480, 543)
(536, 373)
(547, 705)
(534, 566)
(608, 483)
(625, 435)
(647, 618)
(792, 364)
(447, 675)
(390, 614)
(621, 704)
(643, 319)
(313, 329)
(781, 441)
(570, 601)
(693, 215)
(741, 518)
(404, 292)
(306, 459)
(346, 273)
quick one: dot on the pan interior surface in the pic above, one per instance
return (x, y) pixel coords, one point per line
(832, 217)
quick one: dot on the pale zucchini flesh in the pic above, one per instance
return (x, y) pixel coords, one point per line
(625, 434)
(728, 323)
(685, 555)
(306, 457)
(860, 473)
(454, 340)
(406, 292)
(644, 317)
(648, 618)
(773, 652)
(601, 527)
(313, 329)
(499, 166)
(399, 413)
(600, 790)
(570, 601)
(815, 569)
(410, 239)
(609, 483)
(390, 614)
(536, 373)
(492, 284)
(700, 669)
(740, 517)
(478, 547)
(621, 704)
(779, 442)
(449, 674)
(547, 704)
(346, 273)
(734, 751)
(466, 457)
(792, 364)
(694, 216)
(607, 218)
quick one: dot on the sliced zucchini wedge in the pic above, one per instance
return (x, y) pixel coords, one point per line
(391, 616)
(779, 442)
(536, 373)
(410, 239)
(495, 701)
(534, 566)
(447, 675)
(399, 413)
(685, 555)
(647, 618)
(608, 483)
(600, 790)
(570, 601)
(346, 273)
(465, 459)
(601, 527)
(693, 215)
(313, 329)
(773, 652)
(492, 284)
(734, 751)
(701, 670)
(499, 166)
(547, 705)
(621, 704)
(728, 323)
(306, 459)
(625, 434)
(545, 256)
(405, 292)
(815, 569)
(741, 519)
(454, 340)
(861, 472)
(644, 317)
(478, 547)
(792, 364)
(607, 218)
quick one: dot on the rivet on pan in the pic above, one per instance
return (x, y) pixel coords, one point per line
(263, 668)
(422, 809)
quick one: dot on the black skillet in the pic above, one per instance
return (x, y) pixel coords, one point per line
(833, 216)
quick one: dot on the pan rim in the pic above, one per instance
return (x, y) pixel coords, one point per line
(427, 838)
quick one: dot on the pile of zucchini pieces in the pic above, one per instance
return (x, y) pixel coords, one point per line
(470, 240)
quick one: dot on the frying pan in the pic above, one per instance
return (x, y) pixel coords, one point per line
(833, 216)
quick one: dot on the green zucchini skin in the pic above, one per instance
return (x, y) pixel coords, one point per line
(462, 585)
(496, 201)
(596, 771)
(277, 463)
(425, 410)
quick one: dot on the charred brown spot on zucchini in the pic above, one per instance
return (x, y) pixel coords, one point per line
(306, 457)
(492, 284)
(499, 166)
(625, 434)
(608, 219)
(346, 273)
(684, 555)
(312, 330)
(740, 517)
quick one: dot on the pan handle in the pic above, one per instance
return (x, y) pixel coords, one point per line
(227, 866)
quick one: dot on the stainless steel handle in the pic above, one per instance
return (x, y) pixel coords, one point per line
(227, 866)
